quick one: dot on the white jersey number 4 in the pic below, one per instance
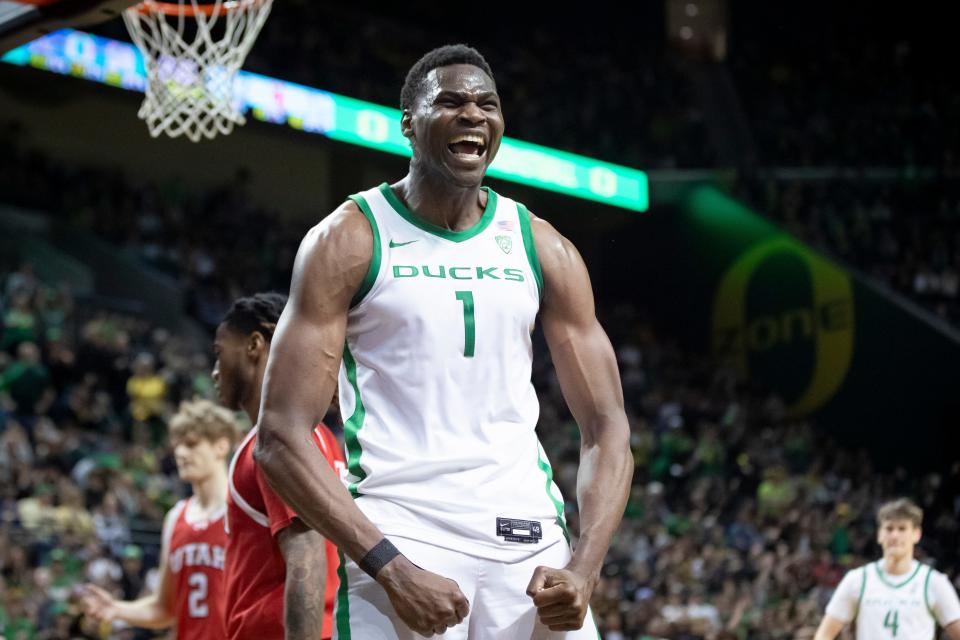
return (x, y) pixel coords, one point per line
(890, 621)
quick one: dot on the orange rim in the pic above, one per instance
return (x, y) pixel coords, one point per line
(191, 10)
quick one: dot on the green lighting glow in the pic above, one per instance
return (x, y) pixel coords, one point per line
(341, 118)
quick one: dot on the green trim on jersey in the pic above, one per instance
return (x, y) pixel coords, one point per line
(926, 592)
(531, 248)
(343, 601)
(429, 227)
(863, 588)
(548, 470)
(902, 584)
(353, 424)
(374, 267)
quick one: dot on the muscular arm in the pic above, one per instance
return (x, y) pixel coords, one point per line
(300, 379)
(301, 375)
(829, 628)
(304, 552)
(587, 370)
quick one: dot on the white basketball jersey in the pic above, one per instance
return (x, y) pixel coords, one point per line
(895, 606)
(439, 410)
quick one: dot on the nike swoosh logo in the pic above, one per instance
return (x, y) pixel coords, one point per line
(400, 244)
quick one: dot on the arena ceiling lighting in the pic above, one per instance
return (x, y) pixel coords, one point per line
(120, 64)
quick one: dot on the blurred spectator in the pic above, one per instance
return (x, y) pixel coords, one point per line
(775, 494)
(147, 390)
(111, 525)
(905, 235)
(19, 321)
(739, 524)
(132, 572)
(26, 380)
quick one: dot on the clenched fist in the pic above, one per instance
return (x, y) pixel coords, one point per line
(561, 597)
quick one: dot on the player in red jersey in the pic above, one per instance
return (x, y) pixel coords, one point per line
(192, 588)
(266, 537)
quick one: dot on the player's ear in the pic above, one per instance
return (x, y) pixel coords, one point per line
(256, 343)
(222, 447)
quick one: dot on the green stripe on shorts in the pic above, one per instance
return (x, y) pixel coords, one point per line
(548, 471)
(343, 601)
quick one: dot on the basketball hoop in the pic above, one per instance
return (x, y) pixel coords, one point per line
(193, 51)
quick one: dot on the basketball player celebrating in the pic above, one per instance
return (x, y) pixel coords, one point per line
(895, 597)
(422, 296)
(268, 601)
(191, 593)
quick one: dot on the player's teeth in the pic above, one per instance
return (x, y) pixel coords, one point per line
(474, 139)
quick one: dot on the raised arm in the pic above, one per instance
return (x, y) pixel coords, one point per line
(299, 382)
(587, 370)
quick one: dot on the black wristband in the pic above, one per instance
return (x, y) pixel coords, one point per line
(378, 557)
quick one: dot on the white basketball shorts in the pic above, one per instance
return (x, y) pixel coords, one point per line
(500, 608)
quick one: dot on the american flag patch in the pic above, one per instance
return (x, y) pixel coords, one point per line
(505, 225)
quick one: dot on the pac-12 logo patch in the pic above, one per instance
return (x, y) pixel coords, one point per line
(505, 243)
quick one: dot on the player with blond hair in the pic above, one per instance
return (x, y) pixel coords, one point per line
(896, 596)
(191, 593)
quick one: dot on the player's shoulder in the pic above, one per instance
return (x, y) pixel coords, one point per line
(241, 471)
(551, 246)
(864, 568)
(171, 519)
(341, 241)
(857, 575)
(561, 265)
(930, 572)
(347, 221)
(243, 455)
(176, 510)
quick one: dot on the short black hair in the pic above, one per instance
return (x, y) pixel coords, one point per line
(439, 57)
(259, 312)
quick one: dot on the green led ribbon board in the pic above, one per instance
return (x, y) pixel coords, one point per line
(341, 118)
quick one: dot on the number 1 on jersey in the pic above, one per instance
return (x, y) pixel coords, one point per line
(469, 324)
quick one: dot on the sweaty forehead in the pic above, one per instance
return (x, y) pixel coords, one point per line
(461, 78)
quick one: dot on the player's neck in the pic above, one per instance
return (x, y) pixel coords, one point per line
(897, 565)
(251, 407)
(439, 202)
(211, 492)
(251, 404)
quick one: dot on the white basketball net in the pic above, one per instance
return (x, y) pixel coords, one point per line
(192, 58)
